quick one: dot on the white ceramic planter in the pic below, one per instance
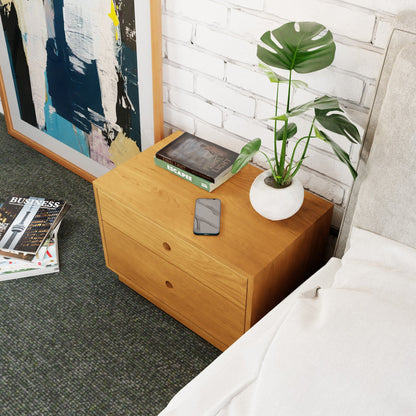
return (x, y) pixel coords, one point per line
(274, 203)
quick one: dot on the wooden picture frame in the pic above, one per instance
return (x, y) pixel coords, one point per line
(149, 80)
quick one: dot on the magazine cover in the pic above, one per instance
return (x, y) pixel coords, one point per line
(45, 261)
(25, 223)
(198, 156)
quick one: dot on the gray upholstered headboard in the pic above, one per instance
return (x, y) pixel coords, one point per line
(383, 198)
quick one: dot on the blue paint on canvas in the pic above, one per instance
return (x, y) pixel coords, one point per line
(74, 85)
(128, 65)
(63, 130)
(18, 63)
(73, 107)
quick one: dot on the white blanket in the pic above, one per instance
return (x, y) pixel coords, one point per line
(350, 350)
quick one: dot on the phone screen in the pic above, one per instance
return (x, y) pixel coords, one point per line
(207, 216)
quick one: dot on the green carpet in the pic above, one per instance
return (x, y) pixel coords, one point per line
(79, 342)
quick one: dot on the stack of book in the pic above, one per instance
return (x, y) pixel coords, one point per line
(203, 163)
(29, 236)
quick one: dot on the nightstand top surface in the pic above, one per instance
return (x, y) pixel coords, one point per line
(246, 241)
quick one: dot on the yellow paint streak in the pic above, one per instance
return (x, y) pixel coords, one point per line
(113, 16)
(122, 149)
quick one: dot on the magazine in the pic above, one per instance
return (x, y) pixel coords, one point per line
(198, 157)
(26, 223)
(45, 261)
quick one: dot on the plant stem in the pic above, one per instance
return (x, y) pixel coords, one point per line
(305, 149)
(274, 173)
(284, 140)
(288, 174)
(289, 91)
(269, 162)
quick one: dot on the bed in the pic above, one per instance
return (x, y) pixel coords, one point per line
(344, 342)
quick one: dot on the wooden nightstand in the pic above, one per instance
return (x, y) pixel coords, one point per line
(218, 286)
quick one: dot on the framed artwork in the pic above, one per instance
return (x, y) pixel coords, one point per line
(81, 81)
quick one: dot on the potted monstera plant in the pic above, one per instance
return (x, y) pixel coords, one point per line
(302, 47)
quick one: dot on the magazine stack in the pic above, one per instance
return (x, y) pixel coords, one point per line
(203, 163)
(29, 236)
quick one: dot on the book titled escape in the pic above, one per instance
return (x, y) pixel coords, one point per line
(26, 222)
(196, 160)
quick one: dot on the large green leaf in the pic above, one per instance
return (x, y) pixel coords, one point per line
(321, 103)
(339, 152)
(292, 129)
(246, 154)
(337, 123)
(304, 47)
(273, 77)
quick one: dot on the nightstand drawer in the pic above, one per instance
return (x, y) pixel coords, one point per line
(172, 289)
(176, 251)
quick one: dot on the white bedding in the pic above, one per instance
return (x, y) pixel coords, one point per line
(349, 350)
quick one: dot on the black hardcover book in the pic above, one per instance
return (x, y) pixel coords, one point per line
(198, 156)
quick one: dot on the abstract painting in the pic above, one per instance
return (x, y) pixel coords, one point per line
(71, 74)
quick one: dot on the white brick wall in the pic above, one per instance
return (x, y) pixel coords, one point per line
(205, 11)
(340, 18)
(213, 87)
(227, 96)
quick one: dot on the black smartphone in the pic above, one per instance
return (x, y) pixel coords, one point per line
(207, 216)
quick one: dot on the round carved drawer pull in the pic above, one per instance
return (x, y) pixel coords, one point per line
(169, 284)
(166, 246)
